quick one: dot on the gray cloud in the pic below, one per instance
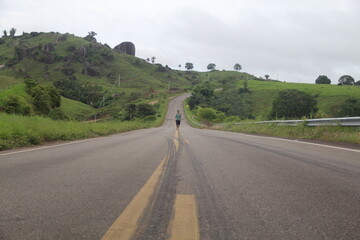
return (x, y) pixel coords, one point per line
(294, 40)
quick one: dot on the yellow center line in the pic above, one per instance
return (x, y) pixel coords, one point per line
(185, 225)
(127, 223)
(176, 142)
(177, 134)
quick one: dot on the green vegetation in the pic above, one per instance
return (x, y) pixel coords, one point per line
(329, 133)
(19, 131)
(346, 80)
(322, 79)
(329, 97)
(81, 70)
(293, 104)
(64, 77)
(351, 108)
(263, 92)
(76, 110)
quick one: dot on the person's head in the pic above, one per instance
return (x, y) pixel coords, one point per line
(178, 111)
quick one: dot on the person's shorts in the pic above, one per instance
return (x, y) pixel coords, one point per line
(177, 122)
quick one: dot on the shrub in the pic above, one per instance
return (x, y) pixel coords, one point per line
(45, 98)
(11, 62)
(144, 110)
(232, 119)
(346, 80)
(13, 105)
(149, 118)
(207, 114)
(322, 79)
(71, 48)
(351, 108)
(292, 104)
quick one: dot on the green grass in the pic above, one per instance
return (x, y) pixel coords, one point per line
(329, 133)
(328, 96)
(20, 131)
(76, 110)
(263, 92)
(193, 120)
(6, 82)
(136, 74)
(15, 90)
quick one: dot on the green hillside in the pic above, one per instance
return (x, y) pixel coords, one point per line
(329, 97)
(263, 92)
(94, 79)
(87, 74)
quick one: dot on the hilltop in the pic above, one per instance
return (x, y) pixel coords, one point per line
(88, 75)
(95, 80)
(261, 93)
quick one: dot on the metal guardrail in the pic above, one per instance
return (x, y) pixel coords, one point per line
(346, 121)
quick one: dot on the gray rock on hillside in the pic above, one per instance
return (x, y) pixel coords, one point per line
(126, 47)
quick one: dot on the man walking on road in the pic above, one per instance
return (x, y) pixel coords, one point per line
(178, 119)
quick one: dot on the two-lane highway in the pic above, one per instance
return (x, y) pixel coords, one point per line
(194, 184)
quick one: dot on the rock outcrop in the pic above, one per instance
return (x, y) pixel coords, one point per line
(126, 47)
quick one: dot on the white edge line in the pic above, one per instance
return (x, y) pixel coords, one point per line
(296, 141)
(34, 148)
(308, 143)
(46, 147)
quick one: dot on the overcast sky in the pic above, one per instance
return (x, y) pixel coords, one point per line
(291, 40)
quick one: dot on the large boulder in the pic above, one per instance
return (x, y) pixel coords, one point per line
(49, 47)
(61, 38)
(126, 47)
(91, 71)
(34, 34)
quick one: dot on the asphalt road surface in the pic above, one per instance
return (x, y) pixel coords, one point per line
(193, 184)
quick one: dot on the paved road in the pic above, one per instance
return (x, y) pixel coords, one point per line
(189, 185)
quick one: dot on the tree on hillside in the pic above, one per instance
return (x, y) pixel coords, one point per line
(179, 66)
(346, 80)
(148, 59)
(189, 66)
(92, 33)
(357, 83)
(5, 33)
(153, 59)
(91, 36)
(237, 67)
(267, 76)
(293, 104)
(351, 108)
(211, 66)
(12, 32)
(322, 79)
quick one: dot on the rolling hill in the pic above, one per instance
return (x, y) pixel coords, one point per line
(104, 77)
(263, 92)
(93, 78)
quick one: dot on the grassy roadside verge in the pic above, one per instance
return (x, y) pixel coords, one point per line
(192, 119)
(328, 133)
(23, 131)
(20, 131)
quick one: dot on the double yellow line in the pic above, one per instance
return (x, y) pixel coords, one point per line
(184, 224)
(127, 223)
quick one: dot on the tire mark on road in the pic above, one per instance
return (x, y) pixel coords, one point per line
(214, 218)
(155, 223)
